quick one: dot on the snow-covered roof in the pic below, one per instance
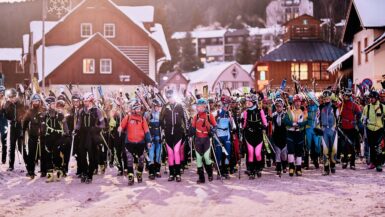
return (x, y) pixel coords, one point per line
(371, 13)
(336, 65)
(10, 54)
(210, 73)
(140, 13)
(341, 23)
(159, 36)
(248, 68)
(55, 56)
(221, 32)
(201, 34)
(36, 27)
(137, 15)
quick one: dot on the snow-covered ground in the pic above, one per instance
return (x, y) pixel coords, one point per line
(348, 193)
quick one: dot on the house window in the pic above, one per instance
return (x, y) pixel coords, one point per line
(235, 84)
(359, 52)
(262, 75)
(299, 71)
(109, 30)
(89, 66)
(203, 50)
(320, 71)
(85, 30)
(245, 84)
(105, 66)
(365, 46)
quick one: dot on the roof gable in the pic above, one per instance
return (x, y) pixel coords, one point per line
(127, 12)
(363, 14)
(57, 55)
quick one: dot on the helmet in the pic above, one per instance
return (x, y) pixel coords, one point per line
(374, 94)
(252, 98)
(156, 102)
(35, 97)
(89, 96)
(348, 92)
(297, 97)
(327, 93)
(201, 102)
(169, 94)
(136, 105)
(2, 89)
(382, 93)
(76, 96)
(211, 100)
(11, 93)
(50, 100)
(279, 101)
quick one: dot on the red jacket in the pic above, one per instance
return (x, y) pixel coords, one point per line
(350, 114)
(201, 122)
(136, 127)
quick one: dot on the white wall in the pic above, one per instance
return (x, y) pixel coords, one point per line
(365, 69)
(152, 63)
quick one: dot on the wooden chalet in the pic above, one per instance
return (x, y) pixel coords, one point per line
(303, 54)
(99, 43)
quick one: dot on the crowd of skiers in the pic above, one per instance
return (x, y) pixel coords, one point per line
(134, 134)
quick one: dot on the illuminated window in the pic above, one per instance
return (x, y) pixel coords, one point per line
(88, 66)
(105, 66)
(262, 75)
(320, 71)
(85, 30)
(299, 71)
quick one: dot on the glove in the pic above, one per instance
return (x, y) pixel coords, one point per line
(75, 131)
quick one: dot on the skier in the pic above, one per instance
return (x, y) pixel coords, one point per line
(138, 135)
(312, 147)
(328, 119)
(348, 122)
(156, 147)
(254, 122)
(202, 127)
(295, 121)
(89, 126)
(32, 125)
(373, 119)
(279, 136)
(225, 124)
(3, 125)
(174, 123)
(55, 129)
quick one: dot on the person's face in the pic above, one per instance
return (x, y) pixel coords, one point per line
(35, 104)
(76, 103)
(52, 106)
(171, 100)
(138, 110)
(279, 107)
(382, 98)
(326, 99)
(249, 104)
(346, 97)
(158, 108)
(201, 108)
(297, 103)
(373, 100)
(87, 103)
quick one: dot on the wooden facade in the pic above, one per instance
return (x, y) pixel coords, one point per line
(303, 54)
(13, 74)
(70, 71)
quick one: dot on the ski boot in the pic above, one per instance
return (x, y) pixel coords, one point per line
(306, 162)
(50, 177)
(209, 170)
(178, 178)
(326, 171)
(316, 163)
(88, 180)
(83, 178)
(102, 169)
(379, 168)
(201, 176)
(279, 169)
(298, 170)
(139, 177)
(157, 171)
(151, 175)
(171, 176)
(130, 179)
(291, 169)
(43, 174)
(284, 166)
(332, 168)
(59, 175)
(120, 173)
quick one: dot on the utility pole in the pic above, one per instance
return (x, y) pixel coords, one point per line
(44, 16)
